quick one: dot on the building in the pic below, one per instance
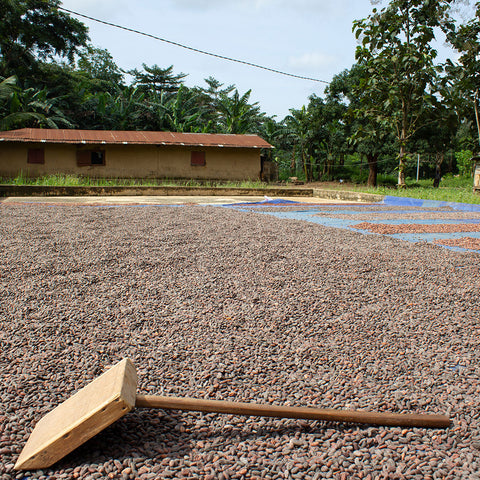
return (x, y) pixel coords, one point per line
(131, 154)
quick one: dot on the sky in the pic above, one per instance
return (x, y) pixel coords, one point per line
(311, 38)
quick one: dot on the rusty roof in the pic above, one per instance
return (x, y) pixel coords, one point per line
(113, 137)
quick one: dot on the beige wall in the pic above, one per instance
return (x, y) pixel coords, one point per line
(134, 161)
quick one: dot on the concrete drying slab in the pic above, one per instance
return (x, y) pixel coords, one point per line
(158, 200)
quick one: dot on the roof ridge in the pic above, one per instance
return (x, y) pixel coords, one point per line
(134, 137)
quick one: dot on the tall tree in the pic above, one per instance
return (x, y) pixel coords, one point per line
(215, 90)
(157, 79)
(298, 125)
(98, 64)
(464, 74)
(366, 135)
(399, 58)
(36, 29)
(208, 99)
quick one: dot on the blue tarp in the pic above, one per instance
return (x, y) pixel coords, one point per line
(415, 202)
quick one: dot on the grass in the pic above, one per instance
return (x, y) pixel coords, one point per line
(63, 180)
(451, 189)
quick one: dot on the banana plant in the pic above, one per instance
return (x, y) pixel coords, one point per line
(238, 116)
(183, 111)
(28, 108)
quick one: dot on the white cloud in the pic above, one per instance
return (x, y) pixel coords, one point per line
(311, 61)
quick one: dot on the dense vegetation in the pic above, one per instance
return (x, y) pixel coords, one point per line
(394, 104)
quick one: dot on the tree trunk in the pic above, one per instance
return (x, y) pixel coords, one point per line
(309, 169)
(317, 167)
(304, 164)
(329, 165)
(476, 113)
(293, 169)
(451, 158)
(401, 165)
(402, 157)
(438, 168)
(372, 159)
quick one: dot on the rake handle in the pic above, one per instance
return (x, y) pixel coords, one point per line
(240, 408)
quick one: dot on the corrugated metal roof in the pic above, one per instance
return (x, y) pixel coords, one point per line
(112, 137)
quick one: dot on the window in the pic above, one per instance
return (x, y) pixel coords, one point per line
(36, 155)
(198, 159)
(97, 158)
(87, 158)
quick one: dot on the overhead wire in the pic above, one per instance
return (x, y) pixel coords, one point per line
(222, 57)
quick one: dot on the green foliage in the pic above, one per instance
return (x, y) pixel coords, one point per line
(36, 29)
(393, 100)
(446, 194)
(98, 64)
(183, 112)
(386, 180)
(399, 71)
(157, 79)
(465, 163)
(28, 108)
(464, 74)
(236, 115)
(460, 182)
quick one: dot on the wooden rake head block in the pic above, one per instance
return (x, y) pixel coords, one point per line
(92, 409)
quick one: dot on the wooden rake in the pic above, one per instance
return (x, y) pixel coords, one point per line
(113, 394)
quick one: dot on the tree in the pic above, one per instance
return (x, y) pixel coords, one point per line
(316, 133)
(335, 133)
(365, 134)
(298, 125)
(36, 29)
(400, 71)
(98, 64)
(238, 116)
(208, 99)
(464, 75)
(438, 133)
(8, 88)
(272, 131)
(73, 90)
(154, 111)
(184, 113)
(215, 90)
(28, 108)
(123, 110)
(157, 79)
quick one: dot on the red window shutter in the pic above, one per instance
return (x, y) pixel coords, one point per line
(84, 158)
(36, 155)
(198, 158)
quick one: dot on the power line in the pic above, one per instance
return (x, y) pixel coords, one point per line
(192, 48)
